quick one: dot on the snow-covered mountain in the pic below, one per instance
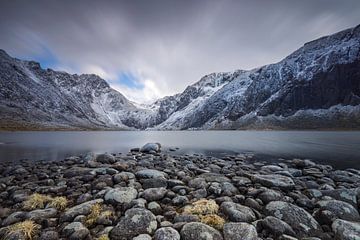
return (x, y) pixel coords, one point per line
(317, 86)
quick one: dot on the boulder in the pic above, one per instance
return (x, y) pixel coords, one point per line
(214, 177)
(339, 209)
(150, 173)
(300, 220)
(237, 212)
(135, 222)
(75, 231)
(276, 226)
(40, 214)
(239, 231)
(81, 209)
(151, 147)
(105, 158)
(166, 233)
(199, 231)
(120, 195)
(274, 180)
(346, 230)
(154, 194)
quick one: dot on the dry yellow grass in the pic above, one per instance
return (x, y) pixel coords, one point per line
(202, 207)
(29, 229)
(94, 214)
(103, 237)
(60, 203)
(36, 201)
(213, 220)
(107, 214)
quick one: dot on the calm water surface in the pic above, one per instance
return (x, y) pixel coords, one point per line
(341, 149)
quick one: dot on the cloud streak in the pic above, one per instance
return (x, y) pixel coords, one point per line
(166, 44)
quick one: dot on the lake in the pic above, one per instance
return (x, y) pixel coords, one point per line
(338, 148)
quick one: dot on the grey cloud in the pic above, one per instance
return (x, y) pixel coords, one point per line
(170, 43)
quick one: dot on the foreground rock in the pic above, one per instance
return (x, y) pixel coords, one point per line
(121, 195)
(166, 233)
(199, 231)
(151, 147)
(76, 231)
(346, 230)
(237, 213)
(136, 221)
(274, 180)
(81, 209)
(144, 196)
(240, 231)
(301, 221)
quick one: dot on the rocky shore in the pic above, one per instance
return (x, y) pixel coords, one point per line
(147, 194)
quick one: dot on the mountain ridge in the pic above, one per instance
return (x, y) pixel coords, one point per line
(316, 86)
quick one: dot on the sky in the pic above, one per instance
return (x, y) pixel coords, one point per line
(147, 49)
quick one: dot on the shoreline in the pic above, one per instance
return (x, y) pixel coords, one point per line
(178, 196)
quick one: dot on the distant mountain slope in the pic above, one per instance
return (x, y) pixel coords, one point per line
(31, 96)
(317, 86)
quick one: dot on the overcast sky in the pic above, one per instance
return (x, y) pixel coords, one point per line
(152, 48)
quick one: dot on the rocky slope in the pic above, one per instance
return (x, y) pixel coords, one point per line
(317, 86)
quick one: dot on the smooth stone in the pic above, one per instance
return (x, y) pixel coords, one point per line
(136, 221)
(166, 233)
(274, 180)
(49, 235)
(199, 231)
(214, 177)
(346, 230)
(198, 183)
(154, 183)
(150, 173)
(239, 231)
(180, 200)
(142, 237)
(105, 158)
(269, 195)
(103, 171)
(151, 147)
(339, 209)
(75, 231)
(14, 218)
(276, 226)
(154, 194)
(345, 195)
(300, 220)
(81, 209)
(123, 177)
(154, 207)
(237, 212)
(40, 214)
(121, 195)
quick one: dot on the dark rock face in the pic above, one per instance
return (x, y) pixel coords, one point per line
(317, 86)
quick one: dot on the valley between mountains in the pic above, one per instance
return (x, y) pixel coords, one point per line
(315, 87)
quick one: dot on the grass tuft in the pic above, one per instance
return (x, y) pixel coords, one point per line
(36, 201)
(202, 207)
(103, 237)
(213, 220)
(29, 229)
(60, 203)
(94, 214)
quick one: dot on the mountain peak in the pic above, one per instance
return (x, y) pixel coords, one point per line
(317, 86)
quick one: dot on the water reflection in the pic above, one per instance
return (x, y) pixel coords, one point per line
(337, 148)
